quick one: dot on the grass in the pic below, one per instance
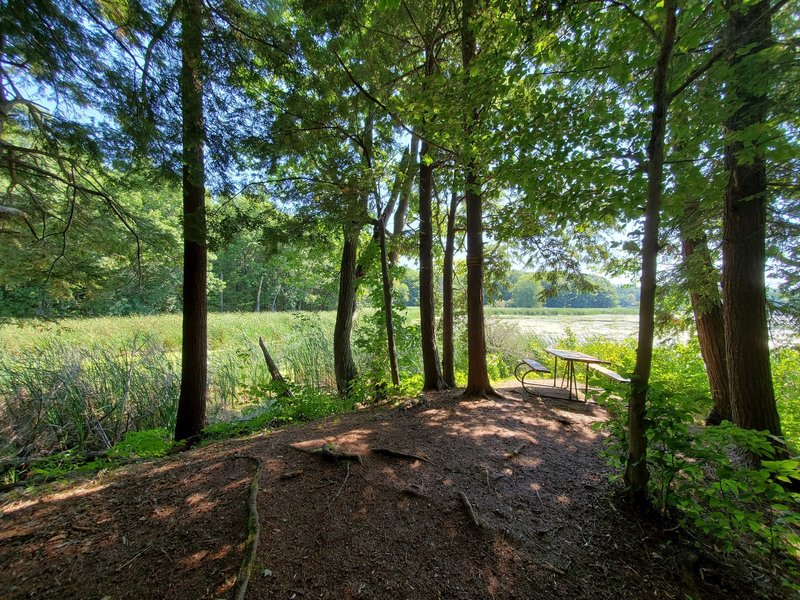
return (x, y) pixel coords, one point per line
(91, 380)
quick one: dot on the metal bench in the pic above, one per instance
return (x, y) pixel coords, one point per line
(609, 373)
(525, 368)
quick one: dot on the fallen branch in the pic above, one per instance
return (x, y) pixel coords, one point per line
(273, 370)
(346, 477)
(397, 454)
(253, 532)
(330, 453)
(470, 511)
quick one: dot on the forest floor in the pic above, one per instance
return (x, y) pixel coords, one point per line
(390, 526)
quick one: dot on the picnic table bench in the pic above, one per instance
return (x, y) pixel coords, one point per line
(609, 373)
(525, 368)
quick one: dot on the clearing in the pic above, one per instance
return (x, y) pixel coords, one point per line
(389, 527)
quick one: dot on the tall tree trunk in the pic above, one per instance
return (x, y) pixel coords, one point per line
(478, 384)
(744, 222)
(427, 304)
(274, 306)
(431, 368)
(191, 417)
(222, 292)
(343, 364)
(388, 317)
(709, 320)
(448, 348)
(405, 198)
(258, 293)
(636, 473)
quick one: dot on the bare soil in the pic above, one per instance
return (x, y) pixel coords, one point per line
(549, 525)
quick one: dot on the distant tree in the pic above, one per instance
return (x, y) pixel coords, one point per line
(526, 291)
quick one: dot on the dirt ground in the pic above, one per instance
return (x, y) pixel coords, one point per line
(388, 527)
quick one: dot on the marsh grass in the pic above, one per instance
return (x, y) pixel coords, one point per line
(86, 383)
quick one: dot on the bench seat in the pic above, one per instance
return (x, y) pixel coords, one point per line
(535, 366)
(609, 373)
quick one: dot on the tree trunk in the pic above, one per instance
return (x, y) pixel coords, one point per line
(744, 223)
(386, 284)
(222, 292)
(709, 320)
(448, 348)
(405, 197)
(274, 371)
(258, 294)
(432, 375)
(636, 473)
(274, 306)
(343, 363)
(478, 385)
(191, 417)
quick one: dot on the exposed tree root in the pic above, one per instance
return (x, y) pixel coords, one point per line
(330, 453)
(253, 532)
(397, 454)
(470, 511)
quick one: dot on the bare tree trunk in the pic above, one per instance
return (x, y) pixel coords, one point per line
(274, 306)
(427, 304)
(222, 292)
(709, 321)
(636, 473)
(405, 197)
(744, 222)
(274, 371)
(478, 384)
(343, 363)
(388, 317)
(448, 348)
(258, 293)
(191, 417)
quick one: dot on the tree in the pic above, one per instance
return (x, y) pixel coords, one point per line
(191, 417)
(478, 384)
(636, 473)
(748, 37)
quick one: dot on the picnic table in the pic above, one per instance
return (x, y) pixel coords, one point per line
(570, 357)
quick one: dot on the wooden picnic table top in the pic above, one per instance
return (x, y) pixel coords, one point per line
(576, 356)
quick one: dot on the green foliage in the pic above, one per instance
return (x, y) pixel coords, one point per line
(701, 476)
(148, 443)
(785, 370)
(307, 403)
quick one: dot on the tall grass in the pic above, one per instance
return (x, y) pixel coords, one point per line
(86, 382)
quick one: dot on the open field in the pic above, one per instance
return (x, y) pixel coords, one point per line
(231, 330)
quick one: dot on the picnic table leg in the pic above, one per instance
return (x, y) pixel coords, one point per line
(555, 371)
(586, 390)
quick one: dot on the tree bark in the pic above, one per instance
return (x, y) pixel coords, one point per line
(448, 348)
(709, 320)
(478, 385)
(744, 223)
(636, 473)
(258, 294)
(222, 293)
(343, 363)
(191, 416)
(274, 371)
(405, 197)
(386, 284)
